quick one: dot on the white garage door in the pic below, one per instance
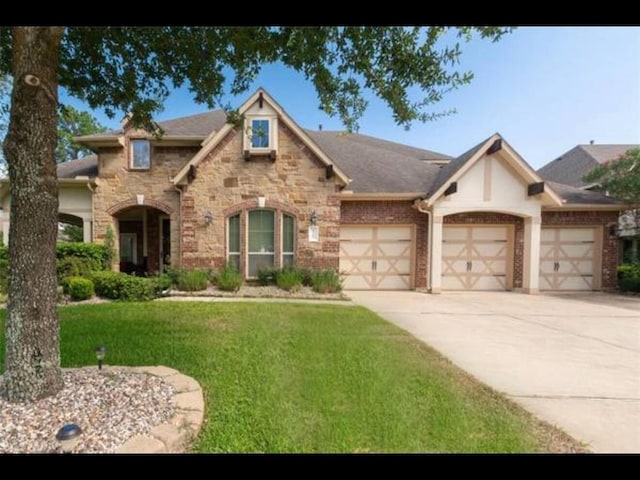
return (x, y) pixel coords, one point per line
(568, 258)
(376, 257)
(476, 257)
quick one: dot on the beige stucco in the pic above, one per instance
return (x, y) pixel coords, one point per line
(491, 183)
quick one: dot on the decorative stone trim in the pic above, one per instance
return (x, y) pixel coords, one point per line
(180, 431)
(133, 202)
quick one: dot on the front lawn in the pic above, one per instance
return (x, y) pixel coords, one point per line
(305, 378)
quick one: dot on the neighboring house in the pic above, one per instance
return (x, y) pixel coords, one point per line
(572, 166)
(388, 216)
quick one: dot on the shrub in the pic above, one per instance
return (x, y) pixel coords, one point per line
(120, 286)
(326, 281)
(4, 275)
(76, 267)
(267, 276)
(91, 251)
(80, 288)
(629, 277)
(192, 280)
(630, 284)
(229, 279)
(289, 279)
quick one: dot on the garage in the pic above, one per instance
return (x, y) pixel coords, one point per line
(377, 257)
(477, 257)
(569, 258)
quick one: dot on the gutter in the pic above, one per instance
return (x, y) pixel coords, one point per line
(417, 203)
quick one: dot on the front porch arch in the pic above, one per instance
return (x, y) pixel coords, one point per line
(133, 202)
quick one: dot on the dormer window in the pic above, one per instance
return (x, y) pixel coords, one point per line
(261, 136)
(140, 154)
(260, 133)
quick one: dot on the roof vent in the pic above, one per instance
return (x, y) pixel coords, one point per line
(320, 127)
(590, 142)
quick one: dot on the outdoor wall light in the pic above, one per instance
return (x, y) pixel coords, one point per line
(314, 218)
(68, 436)
(100, 350)
(208, 217)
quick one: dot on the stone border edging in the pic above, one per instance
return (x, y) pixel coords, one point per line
(175, 435)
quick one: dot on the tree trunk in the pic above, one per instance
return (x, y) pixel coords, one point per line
(32, 360)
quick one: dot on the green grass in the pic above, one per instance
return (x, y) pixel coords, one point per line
(304, 378)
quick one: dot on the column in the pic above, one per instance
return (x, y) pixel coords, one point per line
(86, 231)
(531, 256)
(436, 254)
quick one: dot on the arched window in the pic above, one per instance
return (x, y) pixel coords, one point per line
(269, 240)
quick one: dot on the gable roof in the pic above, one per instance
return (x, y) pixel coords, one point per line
(578, 196)
(215, 137)
(455, 169)
(379, 166)
(571, 166)
(87, 166)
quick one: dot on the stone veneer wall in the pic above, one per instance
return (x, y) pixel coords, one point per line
(226, 184)
(117, 187)
(388, 213)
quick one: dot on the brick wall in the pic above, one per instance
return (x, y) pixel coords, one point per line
(609, 242)
(392, 212)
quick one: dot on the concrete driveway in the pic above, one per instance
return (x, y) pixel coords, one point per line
(572, 360)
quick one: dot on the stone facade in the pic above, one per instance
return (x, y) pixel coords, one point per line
(226, 184)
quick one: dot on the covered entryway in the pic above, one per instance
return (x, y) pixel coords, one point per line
(377, 257)
(569, 258)
(144, 241)
(477, 257)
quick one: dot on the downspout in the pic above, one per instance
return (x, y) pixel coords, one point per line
(417, 204)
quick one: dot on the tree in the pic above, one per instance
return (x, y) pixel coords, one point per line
(620, 178)
(131, 70)
(74, 123)
(72, 233)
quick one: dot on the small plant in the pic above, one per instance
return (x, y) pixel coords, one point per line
(80, 288)
(326, 281)
(267, 276)
(289, 279)
(192, 280)
(109, 248)
(229, 279)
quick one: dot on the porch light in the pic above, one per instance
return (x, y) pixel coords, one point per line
(68, 436)
(100, 350)
(208, 217)
(314, 218)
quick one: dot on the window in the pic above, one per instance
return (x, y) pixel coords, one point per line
(140, 154)
(260, 133)
(261, 240)
(288, 252)
(234, 242)
(259, 227)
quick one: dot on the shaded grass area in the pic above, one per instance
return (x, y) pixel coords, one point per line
(306, 378)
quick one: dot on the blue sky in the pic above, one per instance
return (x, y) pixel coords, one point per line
(545, 89)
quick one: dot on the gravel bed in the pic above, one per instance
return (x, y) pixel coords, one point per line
(110, 406)
(269, 291)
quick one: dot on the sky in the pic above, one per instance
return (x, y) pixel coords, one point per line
(544, 89)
